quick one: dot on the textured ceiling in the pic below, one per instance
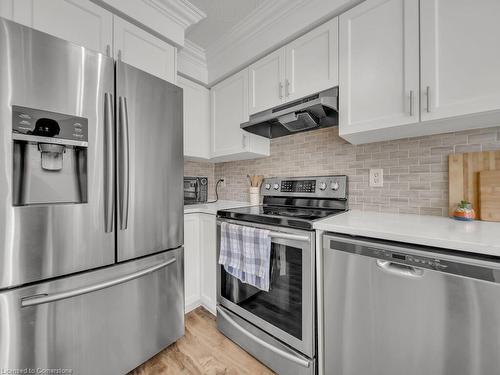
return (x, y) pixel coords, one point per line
(222, 15)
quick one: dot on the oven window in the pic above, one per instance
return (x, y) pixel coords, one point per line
(282, 305)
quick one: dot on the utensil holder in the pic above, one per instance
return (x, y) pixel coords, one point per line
(254, 196)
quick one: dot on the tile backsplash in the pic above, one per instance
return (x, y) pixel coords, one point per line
(415, 169)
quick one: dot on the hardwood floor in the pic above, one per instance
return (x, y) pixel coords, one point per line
(202, 350)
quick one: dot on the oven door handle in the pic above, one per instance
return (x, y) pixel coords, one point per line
(288, 236)
(258, 340)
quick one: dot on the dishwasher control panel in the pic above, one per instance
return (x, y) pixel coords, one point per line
(411, 260)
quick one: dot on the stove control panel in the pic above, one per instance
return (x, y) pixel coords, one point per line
(333, 187)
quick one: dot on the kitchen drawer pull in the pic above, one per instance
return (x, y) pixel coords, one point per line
(400, 269)
(47, 298)
(265, 344)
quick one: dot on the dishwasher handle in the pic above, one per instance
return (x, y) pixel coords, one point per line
(400, 269)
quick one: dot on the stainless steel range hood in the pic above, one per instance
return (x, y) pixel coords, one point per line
(309, 113)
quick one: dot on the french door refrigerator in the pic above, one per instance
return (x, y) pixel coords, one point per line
(91, 204)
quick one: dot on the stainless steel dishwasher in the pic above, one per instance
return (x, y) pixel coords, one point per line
(391, 309)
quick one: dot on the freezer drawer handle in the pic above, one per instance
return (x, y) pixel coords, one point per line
(258, 340)
(36, 300)
(400, 269)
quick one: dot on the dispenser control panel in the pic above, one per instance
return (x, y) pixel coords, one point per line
(60, 127)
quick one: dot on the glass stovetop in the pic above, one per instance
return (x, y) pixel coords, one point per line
(279, 215)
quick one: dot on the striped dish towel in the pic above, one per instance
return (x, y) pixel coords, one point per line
(245, 253)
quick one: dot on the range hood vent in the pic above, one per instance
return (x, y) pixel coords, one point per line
(312, 112)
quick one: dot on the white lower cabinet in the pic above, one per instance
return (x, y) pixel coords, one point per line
(200, 263)
(191, 261)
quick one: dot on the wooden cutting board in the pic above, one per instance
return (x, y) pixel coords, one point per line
(464, 176)
(489, 195)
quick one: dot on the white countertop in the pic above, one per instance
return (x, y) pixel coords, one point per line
(212, 208)
(476, 237)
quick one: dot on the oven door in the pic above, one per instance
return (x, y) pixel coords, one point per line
(287, 310)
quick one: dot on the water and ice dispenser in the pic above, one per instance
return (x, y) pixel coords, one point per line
(50, 157)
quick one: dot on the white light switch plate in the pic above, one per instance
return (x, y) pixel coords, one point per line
(376, 177)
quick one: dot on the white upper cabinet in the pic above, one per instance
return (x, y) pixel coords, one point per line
(379, 68)
(266, 82)
(312, 62)
(303, 67)
(460, 56)
(196, 119)
(137, 47)
(229, 109)
(78, 21)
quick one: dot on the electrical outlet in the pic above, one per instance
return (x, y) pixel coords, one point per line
(223, 182)
(376, 177)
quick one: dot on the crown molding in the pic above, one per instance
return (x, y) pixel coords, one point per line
(192, 62)
(267, 28)
(180, 11)
(258, 20)
(166, 19)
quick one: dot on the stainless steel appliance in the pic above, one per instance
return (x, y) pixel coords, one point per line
(312, 112)
(80, 287)
(393, 308)
(195, 190)
(279, 327)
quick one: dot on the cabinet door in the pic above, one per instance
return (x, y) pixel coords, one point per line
(379, 66)
(312, 62)
(191, 261)
(460, 57)
(196, 119)
(137, 47)
(229, 104)
(208, 231)
(267, 82)
(78, 21)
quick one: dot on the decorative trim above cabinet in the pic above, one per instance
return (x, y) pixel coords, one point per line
(192, 62)
(167, 18)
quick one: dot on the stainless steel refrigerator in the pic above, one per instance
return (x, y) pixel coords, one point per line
(91, 205)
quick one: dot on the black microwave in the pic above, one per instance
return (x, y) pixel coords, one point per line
(195, 190)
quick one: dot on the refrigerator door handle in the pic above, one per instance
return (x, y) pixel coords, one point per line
(47, 298)
(123, 162)
(109, 167)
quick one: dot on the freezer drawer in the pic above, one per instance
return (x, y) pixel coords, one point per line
(126, 314)
(392, 309)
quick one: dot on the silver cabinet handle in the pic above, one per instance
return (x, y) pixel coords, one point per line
(428, 98)
(108, 50)
(287, 88)
(412, 99)
(123, 163)
(288, 236)
(119, 55)
(38, 300)
(109, 166)
(244, 141)
(258, 340)
(400, 269)
(281, 90)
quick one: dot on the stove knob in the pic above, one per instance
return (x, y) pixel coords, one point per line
(267, 186)
(276, 186)
(322, 186)
(335, 186)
